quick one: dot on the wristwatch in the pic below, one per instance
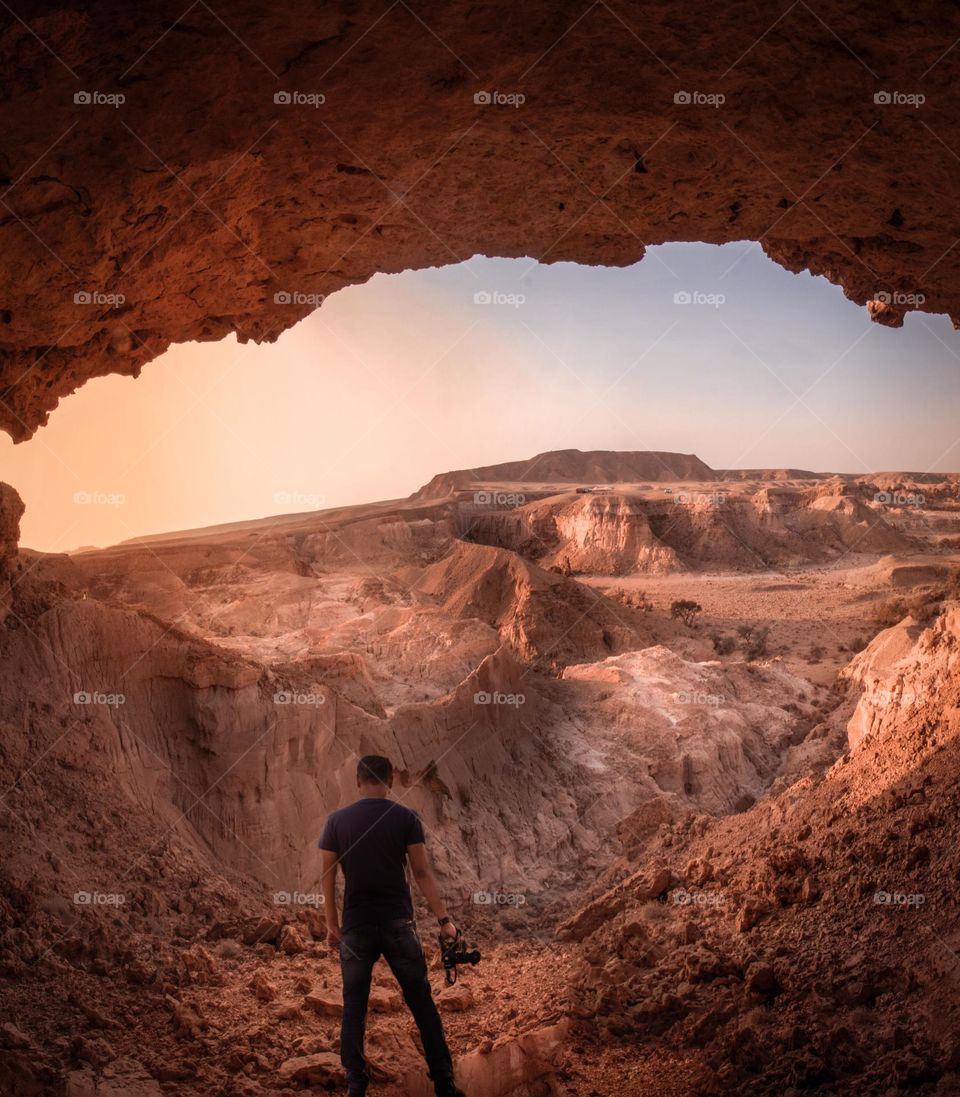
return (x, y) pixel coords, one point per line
(444, 920)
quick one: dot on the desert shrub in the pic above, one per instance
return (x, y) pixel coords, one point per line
(816, 653)
(924, 607)
(635, 599)
(890, 612)
(685, 610)
(642, 601)
(858, 643)
(753, 641)
(723, 645)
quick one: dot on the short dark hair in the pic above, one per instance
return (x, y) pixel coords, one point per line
(374, 769)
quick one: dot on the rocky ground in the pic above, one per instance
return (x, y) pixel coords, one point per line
(693, 866)
(810, 943)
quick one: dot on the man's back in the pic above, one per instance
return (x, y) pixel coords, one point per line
(370, 838)
(371, 841)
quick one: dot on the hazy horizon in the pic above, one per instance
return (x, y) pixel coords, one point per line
(699, 349)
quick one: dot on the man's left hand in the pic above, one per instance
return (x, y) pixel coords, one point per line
(333, 936)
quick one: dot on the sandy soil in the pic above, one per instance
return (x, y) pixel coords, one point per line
(805, 608)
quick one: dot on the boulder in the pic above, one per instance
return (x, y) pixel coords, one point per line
(263, 988)
(291, 943)
(264, 930)
(456, 999)
(320, 1069)
(314, 921)
(642, 887)
(11, 1036)
(762, 979)
(510, 1063)
(384, 1001)
(324, 1003)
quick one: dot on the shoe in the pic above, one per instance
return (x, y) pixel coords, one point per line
(448, 1088)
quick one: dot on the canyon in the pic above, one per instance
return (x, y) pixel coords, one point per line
(657, 824)
(684, 739)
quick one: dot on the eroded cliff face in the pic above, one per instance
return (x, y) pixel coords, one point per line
(621, 534)
(905, 671)
(11, 511)
(173, 175)
(808, 942)
(227, 685)
(696, 735)
(250, 757)
(602, 533)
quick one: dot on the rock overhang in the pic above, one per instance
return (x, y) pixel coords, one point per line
(178, 175)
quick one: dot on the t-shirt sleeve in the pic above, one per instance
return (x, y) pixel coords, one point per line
(328, 840)
(414, 829)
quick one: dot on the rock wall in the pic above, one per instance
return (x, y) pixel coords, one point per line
(226, 692)
(902, 672)
(11, 511)
(618, 534)
(220, 702)
(808, 944)
(172, 175)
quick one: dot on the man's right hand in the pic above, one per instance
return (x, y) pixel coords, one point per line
(333, 936)
(448, 930)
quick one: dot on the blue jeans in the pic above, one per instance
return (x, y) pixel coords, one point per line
(398, 943)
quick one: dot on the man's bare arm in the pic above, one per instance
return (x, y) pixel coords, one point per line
(427, 882)
(328, 883)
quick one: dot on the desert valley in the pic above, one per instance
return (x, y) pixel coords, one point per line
(684, 740)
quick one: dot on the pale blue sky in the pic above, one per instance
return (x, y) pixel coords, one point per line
(407, 376)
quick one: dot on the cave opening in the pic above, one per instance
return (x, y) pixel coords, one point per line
(699, 348)
(644, 574)
(474, 621)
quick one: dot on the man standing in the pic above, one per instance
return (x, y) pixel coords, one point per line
(371, 840)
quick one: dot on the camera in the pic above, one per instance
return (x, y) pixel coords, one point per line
(453, 951)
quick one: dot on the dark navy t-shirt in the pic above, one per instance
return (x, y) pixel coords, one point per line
(370, 838)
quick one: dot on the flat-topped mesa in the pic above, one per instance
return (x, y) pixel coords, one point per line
(771, 474)
(576, 467)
